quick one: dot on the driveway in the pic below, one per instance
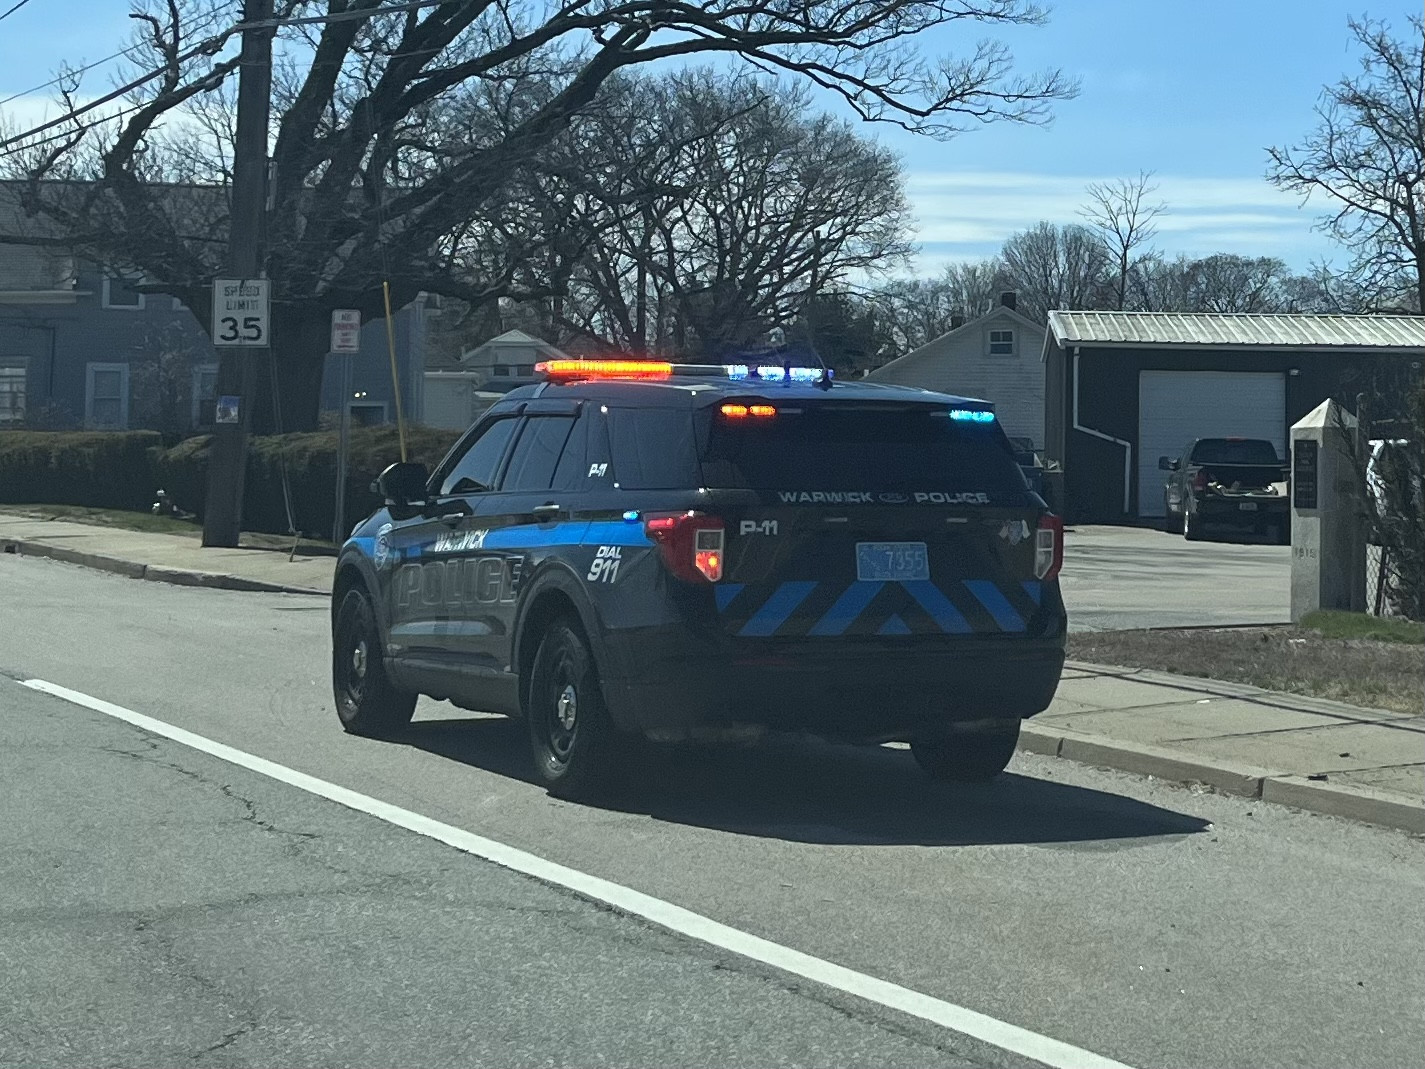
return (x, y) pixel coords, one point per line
(1116, 578)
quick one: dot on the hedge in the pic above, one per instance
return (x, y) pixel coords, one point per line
(126, 469)
(103, 469)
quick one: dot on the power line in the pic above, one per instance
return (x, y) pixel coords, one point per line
(212, 18)
(14, 9)
(209, 45)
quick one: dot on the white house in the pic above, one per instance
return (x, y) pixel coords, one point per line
(454, 399)
(993, 358)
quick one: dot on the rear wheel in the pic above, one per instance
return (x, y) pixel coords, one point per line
(1192, 526)
(574, 740)
(967, 757)
(366, 701)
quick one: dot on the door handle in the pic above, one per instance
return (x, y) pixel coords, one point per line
(546, 513)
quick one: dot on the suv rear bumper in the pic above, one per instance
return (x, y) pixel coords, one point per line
(872, 692)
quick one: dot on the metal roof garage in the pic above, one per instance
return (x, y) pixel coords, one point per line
(1122, 389)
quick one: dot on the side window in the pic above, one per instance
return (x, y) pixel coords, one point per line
(537, 453)
(572, 470)
(653, 448)
(477, 467)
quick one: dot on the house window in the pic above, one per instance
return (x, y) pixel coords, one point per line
(205, 394)
(1001, 343)
(106, 396)
(500, 369)
(120, 293)
(524, 371)
(12, 395)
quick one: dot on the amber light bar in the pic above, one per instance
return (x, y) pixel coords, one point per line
(575, 368)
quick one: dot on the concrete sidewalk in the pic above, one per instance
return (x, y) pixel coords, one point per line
(166, 558)
(1365, 764)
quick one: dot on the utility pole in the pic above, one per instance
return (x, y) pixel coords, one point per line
(237, 371)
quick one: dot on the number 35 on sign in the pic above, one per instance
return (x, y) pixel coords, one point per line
(240, 311)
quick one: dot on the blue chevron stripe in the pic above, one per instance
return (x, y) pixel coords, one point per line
(775, 610)
(894, 626)
(933, 601)
(994, 601)
(1035, 589)
(850, 605)
(725, 592)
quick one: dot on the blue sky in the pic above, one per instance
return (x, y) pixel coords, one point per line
(1193, 90)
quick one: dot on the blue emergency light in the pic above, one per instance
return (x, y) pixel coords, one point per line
(972, 415)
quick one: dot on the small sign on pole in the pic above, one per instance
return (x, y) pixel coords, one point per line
(346, 330)
(241, 312)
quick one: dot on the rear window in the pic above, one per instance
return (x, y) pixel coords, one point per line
(1226, 451)
(652, 448)
(900, 448)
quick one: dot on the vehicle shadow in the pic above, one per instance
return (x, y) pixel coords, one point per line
(806, 790)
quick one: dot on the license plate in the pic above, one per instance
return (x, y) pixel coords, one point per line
(1248, 506)
(892, 562)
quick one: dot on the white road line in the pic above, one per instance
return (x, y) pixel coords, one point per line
(968, 1022)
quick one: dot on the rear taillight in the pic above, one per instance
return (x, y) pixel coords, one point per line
(1199, 481)
(691, 544)
(1049, 547)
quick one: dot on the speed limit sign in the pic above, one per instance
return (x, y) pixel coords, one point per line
(241, 312)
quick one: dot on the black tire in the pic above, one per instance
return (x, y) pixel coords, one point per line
(366, 701)
(967, 757)
(576, 746)
(1192, 526)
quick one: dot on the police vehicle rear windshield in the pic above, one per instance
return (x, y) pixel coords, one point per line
(832, 446)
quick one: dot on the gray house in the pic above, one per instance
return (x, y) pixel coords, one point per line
(994, 358)
(81, 347)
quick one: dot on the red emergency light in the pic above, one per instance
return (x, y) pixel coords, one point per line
(578, 369)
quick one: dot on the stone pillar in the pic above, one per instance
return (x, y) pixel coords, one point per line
(1328, 544)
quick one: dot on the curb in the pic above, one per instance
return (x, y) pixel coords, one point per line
(1364, 804)
(153, 573)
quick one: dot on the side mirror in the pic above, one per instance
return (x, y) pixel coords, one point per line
(1167, 464)
(403, 487)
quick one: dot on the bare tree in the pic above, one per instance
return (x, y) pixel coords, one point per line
(763, 205)
(1123, 217)
(1053, 266)
(1367, 158)
(373, 181)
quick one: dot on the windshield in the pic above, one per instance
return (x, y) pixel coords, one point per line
(1228, 451)
(836, 446)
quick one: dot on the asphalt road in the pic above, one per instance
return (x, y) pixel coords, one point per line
(162, 907)
(1118, 578)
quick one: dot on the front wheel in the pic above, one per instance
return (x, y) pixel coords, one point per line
(574, 740)
(967, 757)
(366, 701)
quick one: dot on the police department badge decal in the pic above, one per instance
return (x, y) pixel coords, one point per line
(381, 554)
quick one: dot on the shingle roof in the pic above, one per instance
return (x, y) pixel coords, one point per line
(1239, 329)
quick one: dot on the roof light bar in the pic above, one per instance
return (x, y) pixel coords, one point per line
(774, 373)
(577, 369)
(972, 415)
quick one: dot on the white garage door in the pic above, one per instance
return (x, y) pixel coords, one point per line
(1174, 407)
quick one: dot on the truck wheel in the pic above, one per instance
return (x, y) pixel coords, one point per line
(1192, 526)
(1170, 521)
(574, 740)
(968, 757)
(366, 702)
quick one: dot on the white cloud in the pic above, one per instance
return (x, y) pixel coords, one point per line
(968, 214)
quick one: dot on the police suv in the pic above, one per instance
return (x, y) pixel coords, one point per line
(682, 552)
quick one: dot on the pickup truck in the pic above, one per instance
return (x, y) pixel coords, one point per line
(1227, 482)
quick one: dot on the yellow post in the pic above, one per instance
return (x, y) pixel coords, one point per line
(395, 376)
